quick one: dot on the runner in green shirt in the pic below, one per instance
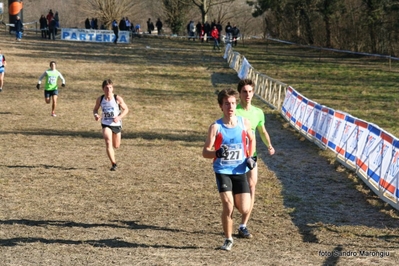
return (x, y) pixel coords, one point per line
(51, 86)
(257, 118)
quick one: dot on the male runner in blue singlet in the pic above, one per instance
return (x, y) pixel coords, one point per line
(226, 145)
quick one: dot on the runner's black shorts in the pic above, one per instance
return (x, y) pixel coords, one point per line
(114, 129)
(238, 184)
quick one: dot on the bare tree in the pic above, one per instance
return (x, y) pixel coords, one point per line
(237, 13)
(205, 5)
(176, 11)
(108, 10)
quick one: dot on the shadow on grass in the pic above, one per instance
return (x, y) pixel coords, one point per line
(99, 243)
(175, 135)
(222, 79)
(111, 243)
(332, 258)
(46, 166)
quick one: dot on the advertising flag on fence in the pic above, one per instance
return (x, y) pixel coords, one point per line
(354, 133)
(392, 175)
(301, 112)
(369, 151)
(296, 110)
(227, 51)
(338, 124)
(379, 155)
(234, 60)
(244, 69)
(315, 120)
(288, 103)
(324, 124)
(385, 153)
(308, 118)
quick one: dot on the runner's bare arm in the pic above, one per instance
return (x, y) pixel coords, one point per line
(208, 151)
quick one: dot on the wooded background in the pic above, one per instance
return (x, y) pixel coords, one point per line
(356, 25)
(369, 26)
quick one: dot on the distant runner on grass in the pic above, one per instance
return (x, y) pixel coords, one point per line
(3, 64)
(51, 86)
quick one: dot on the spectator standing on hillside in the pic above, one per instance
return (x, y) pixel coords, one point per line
(52, 28)
(115, 30)
(215, 36)
(51, 86)
(220, 28)
(207, 30)
(235, 33)
(3, 64)
(111, 119)
(49, 16)
(137, 30)
(159, 25)
(198, 30)
(257, 118)
(18, 28)
(128, 24)
(230, 143)
(229, 30)
(87, 24)
(191, 30)
(43, 26)
(213, 24)
(122, 24)
(150, 26)
(202, 32)
(57, 22)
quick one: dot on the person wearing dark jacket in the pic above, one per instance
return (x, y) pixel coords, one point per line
(57, 22)
(159, 25)
(235, 32)
(228, 31)
(220, 28)
(122, 24)
(43, 26)
(198, 29)
(52, 28)
(150, 26)
(87, 24)
(207, 30)
(116, 30)
(18, 28)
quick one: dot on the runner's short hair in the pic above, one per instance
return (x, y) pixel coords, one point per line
(245, 82)
(107, 82)
(226, 93)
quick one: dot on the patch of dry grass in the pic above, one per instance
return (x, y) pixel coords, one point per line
(60, 204)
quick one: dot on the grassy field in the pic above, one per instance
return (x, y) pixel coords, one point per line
(365, 87)
(60, 204)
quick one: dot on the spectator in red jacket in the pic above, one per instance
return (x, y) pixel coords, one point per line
(215, 36)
